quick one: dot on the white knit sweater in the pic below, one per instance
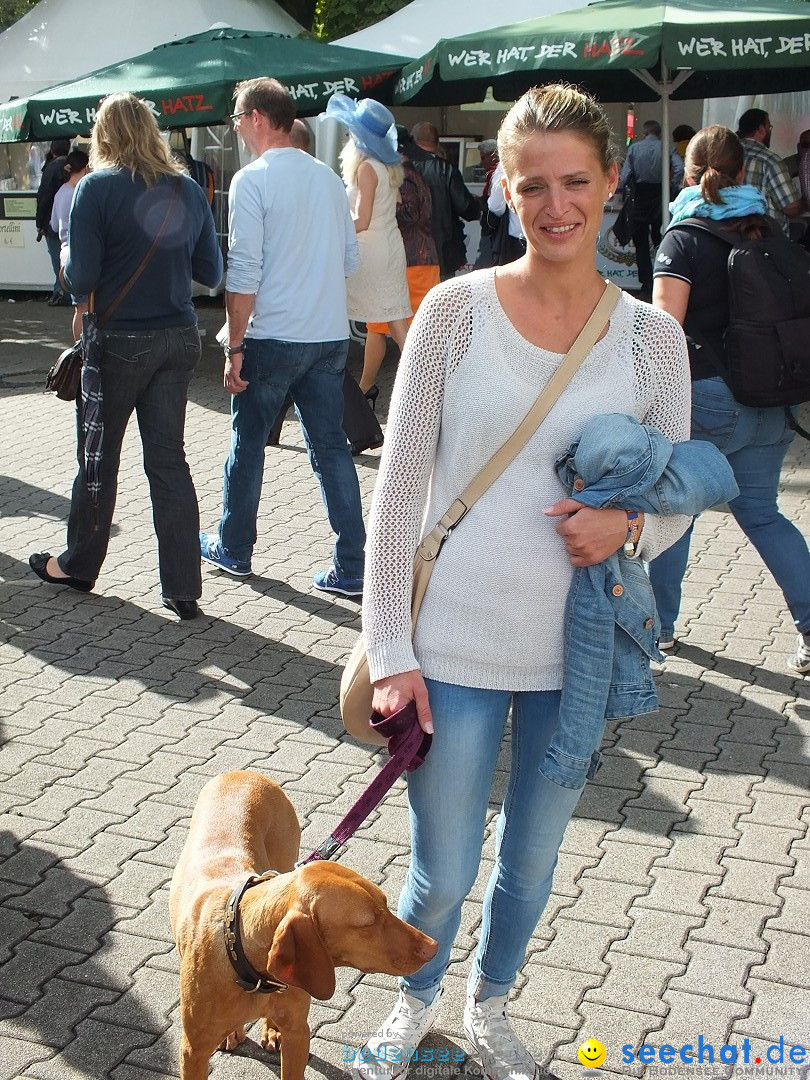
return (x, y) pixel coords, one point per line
(493, 613)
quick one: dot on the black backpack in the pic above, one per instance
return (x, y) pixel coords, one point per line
(767, 340)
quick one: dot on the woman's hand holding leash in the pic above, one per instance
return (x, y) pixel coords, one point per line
(590, 536)
(394, 693)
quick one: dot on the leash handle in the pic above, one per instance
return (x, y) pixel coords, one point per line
(408, 746)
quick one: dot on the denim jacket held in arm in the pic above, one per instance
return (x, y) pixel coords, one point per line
(611, 624)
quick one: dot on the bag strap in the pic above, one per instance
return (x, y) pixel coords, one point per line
(586, 339)
(110, 310)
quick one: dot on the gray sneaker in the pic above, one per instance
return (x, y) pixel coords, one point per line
(800, 661)
(503, 1056)
(388, 1054)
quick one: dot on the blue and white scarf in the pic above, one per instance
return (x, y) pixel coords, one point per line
(738, 201)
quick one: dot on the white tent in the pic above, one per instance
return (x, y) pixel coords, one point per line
(63, 39)
(790, 115)
(415, 29)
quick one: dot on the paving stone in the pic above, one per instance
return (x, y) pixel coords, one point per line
(794, 916)
(747, 880)
(18, 1055)
(556, 993)
(637, 979)
(628, 863)
(709, 818)
(726, 788)
(688, 1016)
(614, 1027)
(784, 1011)
(605, 902)
(680, 891)
(783, 962)
(53, 1017)
(658, 793)
(717, 971)
(776, 809)
(693, 852)
(735, 922)
(30, 967)
(764, 843)
(574, 948)
(97, 1048)
(658, 935)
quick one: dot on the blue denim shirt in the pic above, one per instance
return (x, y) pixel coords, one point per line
(611, 624)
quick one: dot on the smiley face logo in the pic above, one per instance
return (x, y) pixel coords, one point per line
(592, 1053)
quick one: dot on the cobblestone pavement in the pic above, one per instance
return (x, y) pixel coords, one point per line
(681, 904)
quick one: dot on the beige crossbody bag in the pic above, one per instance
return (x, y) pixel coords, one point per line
(356, 690)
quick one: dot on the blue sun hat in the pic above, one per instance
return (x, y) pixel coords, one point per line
(371, 125)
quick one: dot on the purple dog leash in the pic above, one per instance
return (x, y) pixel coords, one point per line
(408, 746)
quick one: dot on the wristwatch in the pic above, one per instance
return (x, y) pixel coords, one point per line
(232, 350)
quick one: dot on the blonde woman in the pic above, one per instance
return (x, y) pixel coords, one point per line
(490, 635)
(372, 172)
(151, 343)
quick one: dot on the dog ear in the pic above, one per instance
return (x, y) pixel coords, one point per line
(299, 956)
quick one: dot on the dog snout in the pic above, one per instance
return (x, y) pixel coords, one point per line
(425, 948)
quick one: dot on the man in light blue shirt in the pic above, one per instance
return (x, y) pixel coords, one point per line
(291, 245)
(642, 171)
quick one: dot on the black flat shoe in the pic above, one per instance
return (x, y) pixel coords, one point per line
(186, 609)
(358, 448)
(38, 563)
(371, 396)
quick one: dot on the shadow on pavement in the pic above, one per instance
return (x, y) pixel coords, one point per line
(114, 639)
(58, 969)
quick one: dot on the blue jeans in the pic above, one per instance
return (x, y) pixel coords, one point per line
(148, 373)
(312, 373)
(448, 799)
(755, 442)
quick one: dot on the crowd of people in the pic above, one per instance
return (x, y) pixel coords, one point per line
(307, 252)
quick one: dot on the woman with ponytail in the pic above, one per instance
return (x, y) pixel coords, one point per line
(691, 283)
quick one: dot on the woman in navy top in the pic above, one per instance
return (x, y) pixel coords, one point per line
(137, 196)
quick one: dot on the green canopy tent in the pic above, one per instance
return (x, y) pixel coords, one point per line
(189, 82)
(626, 50)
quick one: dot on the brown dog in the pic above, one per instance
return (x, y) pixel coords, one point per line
(297, 927)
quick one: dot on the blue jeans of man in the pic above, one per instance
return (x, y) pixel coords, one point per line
(312, 373)
(755, 442)
(448, 798)
(147, 373)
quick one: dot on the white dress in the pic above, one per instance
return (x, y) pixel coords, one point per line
(378, 291)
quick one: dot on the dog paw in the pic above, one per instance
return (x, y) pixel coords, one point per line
(234, 1039)
(270, 1037)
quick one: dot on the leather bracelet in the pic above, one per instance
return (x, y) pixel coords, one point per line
(232, 350)
(631, 540)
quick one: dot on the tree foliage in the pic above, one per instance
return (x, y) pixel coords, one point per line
(335, 18)
(11, 10)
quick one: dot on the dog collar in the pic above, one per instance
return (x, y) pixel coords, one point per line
(246, 975)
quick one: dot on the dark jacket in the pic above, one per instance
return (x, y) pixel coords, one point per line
(53, 176)
(114, 220)
(451, 201)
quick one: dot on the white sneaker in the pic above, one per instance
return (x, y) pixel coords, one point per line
(389, 1053)
(503, 1056)
(800, 661)
(665, 644)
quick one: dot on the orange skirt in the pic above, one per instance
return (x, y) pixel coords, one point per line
(421, 280)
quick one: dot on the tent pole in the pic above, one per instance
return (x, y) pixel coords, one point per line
(666, 90)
